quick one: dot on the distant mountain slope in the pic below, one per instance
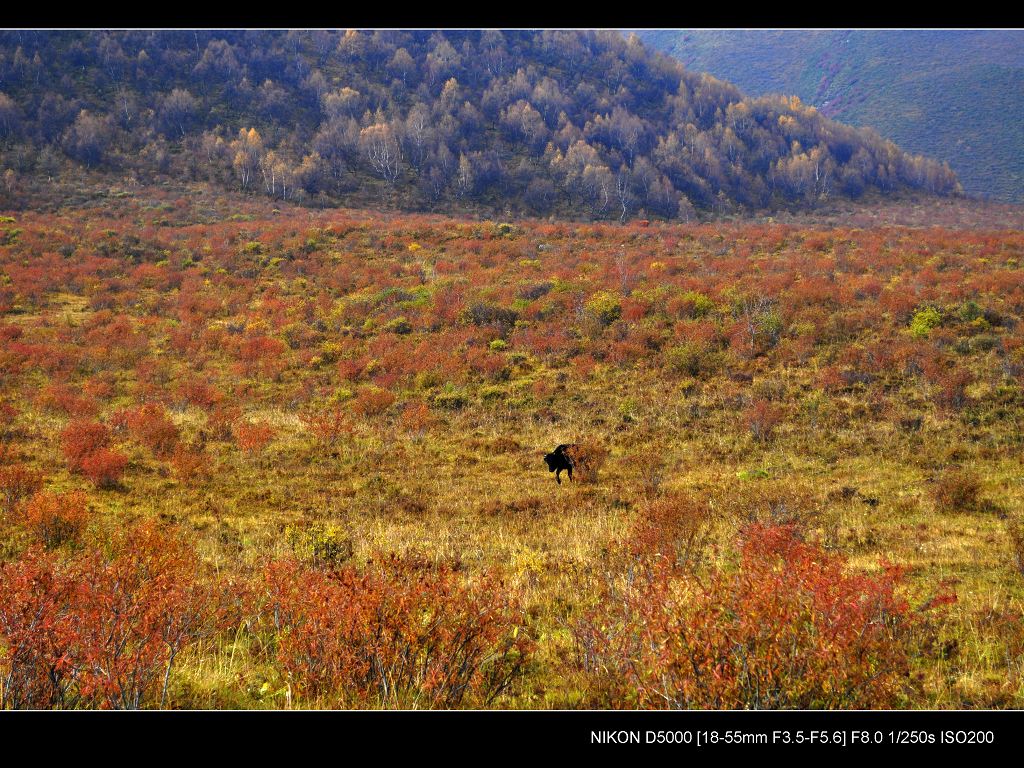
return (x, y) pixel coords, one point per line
(954, 95)
(588, 124)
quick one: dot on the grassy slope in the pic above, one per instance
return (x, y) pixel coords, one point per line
(466, 491)
(953, 95)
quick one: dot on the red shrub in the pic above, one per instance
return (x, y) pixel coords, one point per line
(55, 518)
(81, 438)
(36, 631)
(329, 427)
(62, 399)
(372, 401)
(762, 418)
(416, 417)
(790, 628)
(17, 482)
(200, 394)
(191, 464)
(152, 426)
(398, 637)
(104, 467)
(253, 438)
(102, 632)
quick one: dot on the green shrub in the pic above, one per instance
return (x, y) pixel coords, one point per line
(924, 321)
(321, 544)
(605, 307)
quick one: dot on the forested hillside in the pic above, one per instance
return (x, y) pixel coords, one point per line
(581, 124)
(955, 95)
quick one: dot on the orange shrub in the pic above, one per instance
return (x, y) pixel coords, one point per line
(103, 632)
(328, 427)
(762, 418)
(104, 467)
(372, 401)
(791, 627)
(81, 438)
(398, 637)
(191, 464)
(253, 438)
(416, 417)
(17, 482)
(55, 518)
(152, 426)
(62, 399)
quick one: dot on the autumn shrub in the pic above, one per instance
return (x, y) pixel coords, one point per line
(56, 518)
(957, 490)
(416, 417)
(191, 464)
(103, 631)
(253, 438)
(676, 527)
(788, 627)
(36, 632)
(151, 426)
(762, 417)
(17, 482)
(104, 467)
(924, 321)
(588, 457)
(394, 636)
(652, 474)
(200, 394)
(372, 401)
(221, 420)
(62, 399)
(81, 438)
(604, 307)
(692, 359)
(329, 427)
(951, 392)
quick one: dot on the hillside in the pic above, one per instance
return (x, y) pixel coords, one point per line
(576, 124)
(279, 453)
(955, 95)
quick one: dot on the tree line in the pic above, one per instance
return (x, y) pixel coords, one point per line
(589, 124)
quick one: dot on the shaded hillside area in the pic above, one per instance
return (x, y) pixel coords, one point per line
(577, 124)
(956, 95)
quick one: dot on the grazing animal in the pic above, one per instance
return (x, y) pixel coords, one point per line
(561, 459)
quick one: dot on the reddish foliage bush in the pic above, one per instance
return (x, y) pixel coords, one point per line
(253, 438)
(200, 394)
(329, 427)
(416, 417)
(102, 632)
(191, 464)
(372, 401)
(81, 438)
(36, 629)
(17, 482)
(151, 425)
(762, 417)
(789, 628)
(62, 399)
(55, 518)
(396, 637)
(675, 527)
(104, 467)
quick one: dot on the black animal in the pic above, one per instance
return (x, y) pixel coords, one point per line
(561, 459)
